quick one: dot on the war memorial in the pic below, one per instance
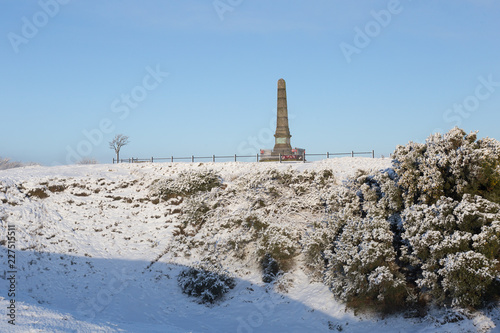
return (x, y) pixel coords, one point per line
(282, 150)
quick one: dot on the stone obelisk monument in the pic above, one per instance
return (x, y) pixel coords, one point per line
(282, 148)
(282, 135)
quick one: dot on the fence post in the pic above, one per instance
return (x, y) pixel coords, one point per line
(113, 160)
(235, 157)
(172, 159)
(192, 158)
(373, 153)
(152, 161)
(327, 155)
(304, 157)
(257, 157)
(213, 158)
(280, 157)
(352, 153)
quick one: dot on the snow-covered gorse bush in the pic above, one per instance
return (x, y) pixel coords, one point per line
(426, 229)
(87, 161)
(270, 268)
(356, 242)
(186, 184)
(452, 248)
(280, 244)
(206, 281)
(194, 215)
(449, 165)
(450, 231)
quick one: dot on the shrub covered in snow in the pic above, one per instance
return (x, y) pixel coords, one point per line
(450, 239)
(187, 183)
(270, 268)
(362, 265)
(279, 243)
(207, 281)
(430, 226)
(87, 160)
(6, 163)
(356, 244)
(452, 247)
(194, 214)
(449, 165)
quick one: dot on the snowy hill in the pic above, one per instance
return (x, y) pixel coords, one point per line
(98, 248)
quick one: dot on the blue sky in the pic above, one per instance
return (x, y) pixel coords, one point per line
(360, 75)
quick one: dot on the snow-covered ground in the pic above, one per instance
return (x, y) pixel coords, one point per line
(94, 253)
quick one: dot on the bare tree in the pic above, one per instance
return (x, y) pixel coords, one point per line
(118, 142)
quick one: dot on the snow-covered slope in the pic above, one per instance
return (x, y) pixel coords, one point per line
(96, 251)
